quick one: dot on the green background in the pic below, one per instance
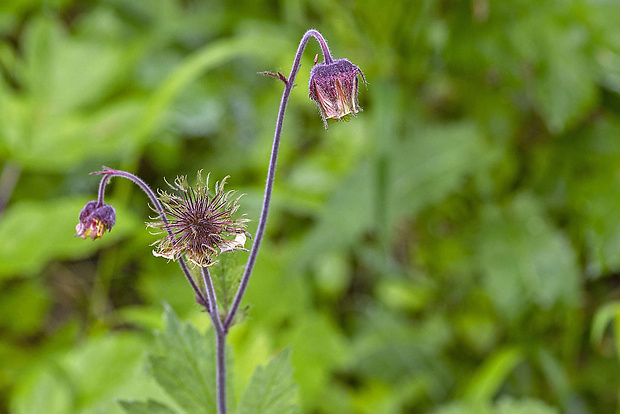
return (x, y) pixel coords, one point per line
(453, 249)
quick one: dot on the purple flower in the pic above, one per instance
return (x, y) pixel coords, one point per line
(333, 86)
(95, 219)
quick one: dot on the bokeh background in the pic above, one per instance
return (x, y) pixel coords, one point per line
(453, 249)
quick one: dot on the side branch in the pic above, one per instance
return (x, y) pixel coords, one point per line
(277, 75)
(108, 173)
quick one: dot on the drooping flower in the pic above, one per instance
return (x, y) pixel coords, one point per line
(95, 219)
(333, 86)
(202, 226)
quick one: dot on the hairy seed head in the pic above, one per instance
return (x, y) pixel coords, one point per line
(201, 226)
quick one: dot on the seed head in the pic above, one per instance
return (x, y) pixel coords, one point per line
(333, 86)
(202, 226)
(95, 219)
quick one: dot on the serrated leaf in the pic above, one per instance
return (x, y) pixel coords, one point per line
(184, 365)
(148, 407)
(271, 389)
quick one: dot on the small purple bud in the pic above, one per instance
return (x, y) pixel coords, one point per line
(95, 220)
(333, 86)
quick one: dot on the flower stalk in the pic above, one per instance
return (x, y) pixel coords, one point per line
(289, 83)
(107, 174)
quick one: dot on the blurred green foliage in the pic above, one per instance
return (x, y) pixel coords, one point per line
(453, 249)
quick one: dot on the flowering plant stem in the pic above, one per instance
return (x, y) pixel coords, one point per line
(207, 298)
(262, 222)
(288, 87)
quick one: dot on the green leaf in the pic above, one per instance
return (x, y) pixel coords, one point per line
(430, 165)
(184, 365)
(58, 120)
(524, 406)
(226, 277)
(391, 349)
(557, 377)
(49, 393)
(271, 389)
(524, 260)
(148, 407)
(316, 360)
(588, 163)
(23, 307)
(65, 71)
(203, 60)
(88, 378)
(604, 316)
(503, 406)
(346, 216)
(565, 93)
(550, 52)
(54, 143)
(488, 380)
(464, 408)
(565, 78)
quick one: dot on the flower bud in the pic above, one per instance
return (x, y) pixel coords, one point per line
(95, 219)
(333, 86)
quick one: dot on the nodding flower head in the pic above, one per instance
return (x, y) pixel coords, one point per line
(95, 219)
(198, 226)
(333, 86)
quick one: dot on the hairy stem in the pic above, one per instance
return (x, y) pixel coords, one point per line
(220, 341)
(289, 84)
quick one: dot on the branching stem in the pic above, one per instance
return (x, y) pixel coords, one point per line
(208, 297)
(222, 331)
